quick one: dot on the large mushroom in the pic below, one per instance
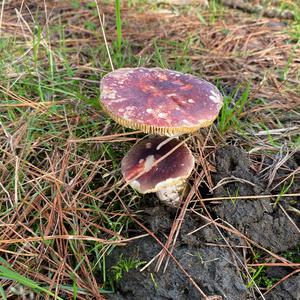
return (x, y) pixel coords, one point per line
(159, 101)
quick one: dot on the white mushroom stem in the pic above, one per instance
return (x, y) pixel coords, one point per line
(170, 195)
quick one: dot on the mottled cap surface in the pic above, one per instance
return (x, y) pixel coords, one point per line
(143, 158)
(159, 101)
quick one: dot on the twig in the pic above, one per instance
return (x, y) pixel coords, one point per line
(1, 15)
(250, 197)
(258, 9)
(121, 242)
(291, 265)
(104, 36)
(290, 219)
(282, 280)
(16, 179)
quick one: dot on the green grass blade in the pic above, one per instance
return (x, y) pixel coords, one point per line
(119, 25)
(12, 275)
(254, 277)
(2, 293)
(75, 290)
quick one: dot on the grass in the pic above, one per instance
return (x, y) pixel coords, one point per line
(7, 273)
(60, 155)
(293, 256)
(285, 189)
(261, 279)
(125, 265)
(119, 25)
(232, 110)
(295, 26)
(255, 275)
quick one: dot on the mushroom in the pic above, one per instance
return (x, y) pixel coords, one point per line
(159, 101)
(164, 170)
(162, 102)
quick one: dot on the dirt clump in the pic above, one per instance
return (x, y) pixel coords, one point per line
(212, 268)
(288, 289)
(258, 219)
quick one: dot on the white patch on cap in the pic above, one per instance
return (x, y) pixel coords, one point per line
(162, 76)
(191, 101)
(186, 122)
(135, 185)
(129, 111)
(113, 101)
(108, 93)
(149, 110)
(149, 163)
(171, 95)
(127, 115)
(162, 115)
(215, 97)
(148, 146)
(111, 96)
(120, 75)
(141, 160)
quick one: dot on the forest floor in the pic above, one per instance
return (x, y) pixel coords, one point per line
(70, 228)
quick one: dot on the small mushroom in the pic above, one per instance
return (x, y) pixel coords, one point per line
(149, 168)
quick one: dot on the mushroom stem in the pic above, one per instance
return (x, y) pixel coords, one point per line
(170, 195)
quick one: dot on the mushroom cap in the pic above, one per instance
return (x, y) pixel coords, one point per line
(142, 158)
(159, 101)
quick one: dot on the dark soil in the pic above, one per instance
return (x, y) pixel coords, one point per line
(212, 268)
(289, 289)
(257, 219)
(215, 269)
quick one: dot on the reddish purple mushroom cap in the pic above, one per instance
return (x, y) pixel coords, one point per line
(142, 170)
(159, 101)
